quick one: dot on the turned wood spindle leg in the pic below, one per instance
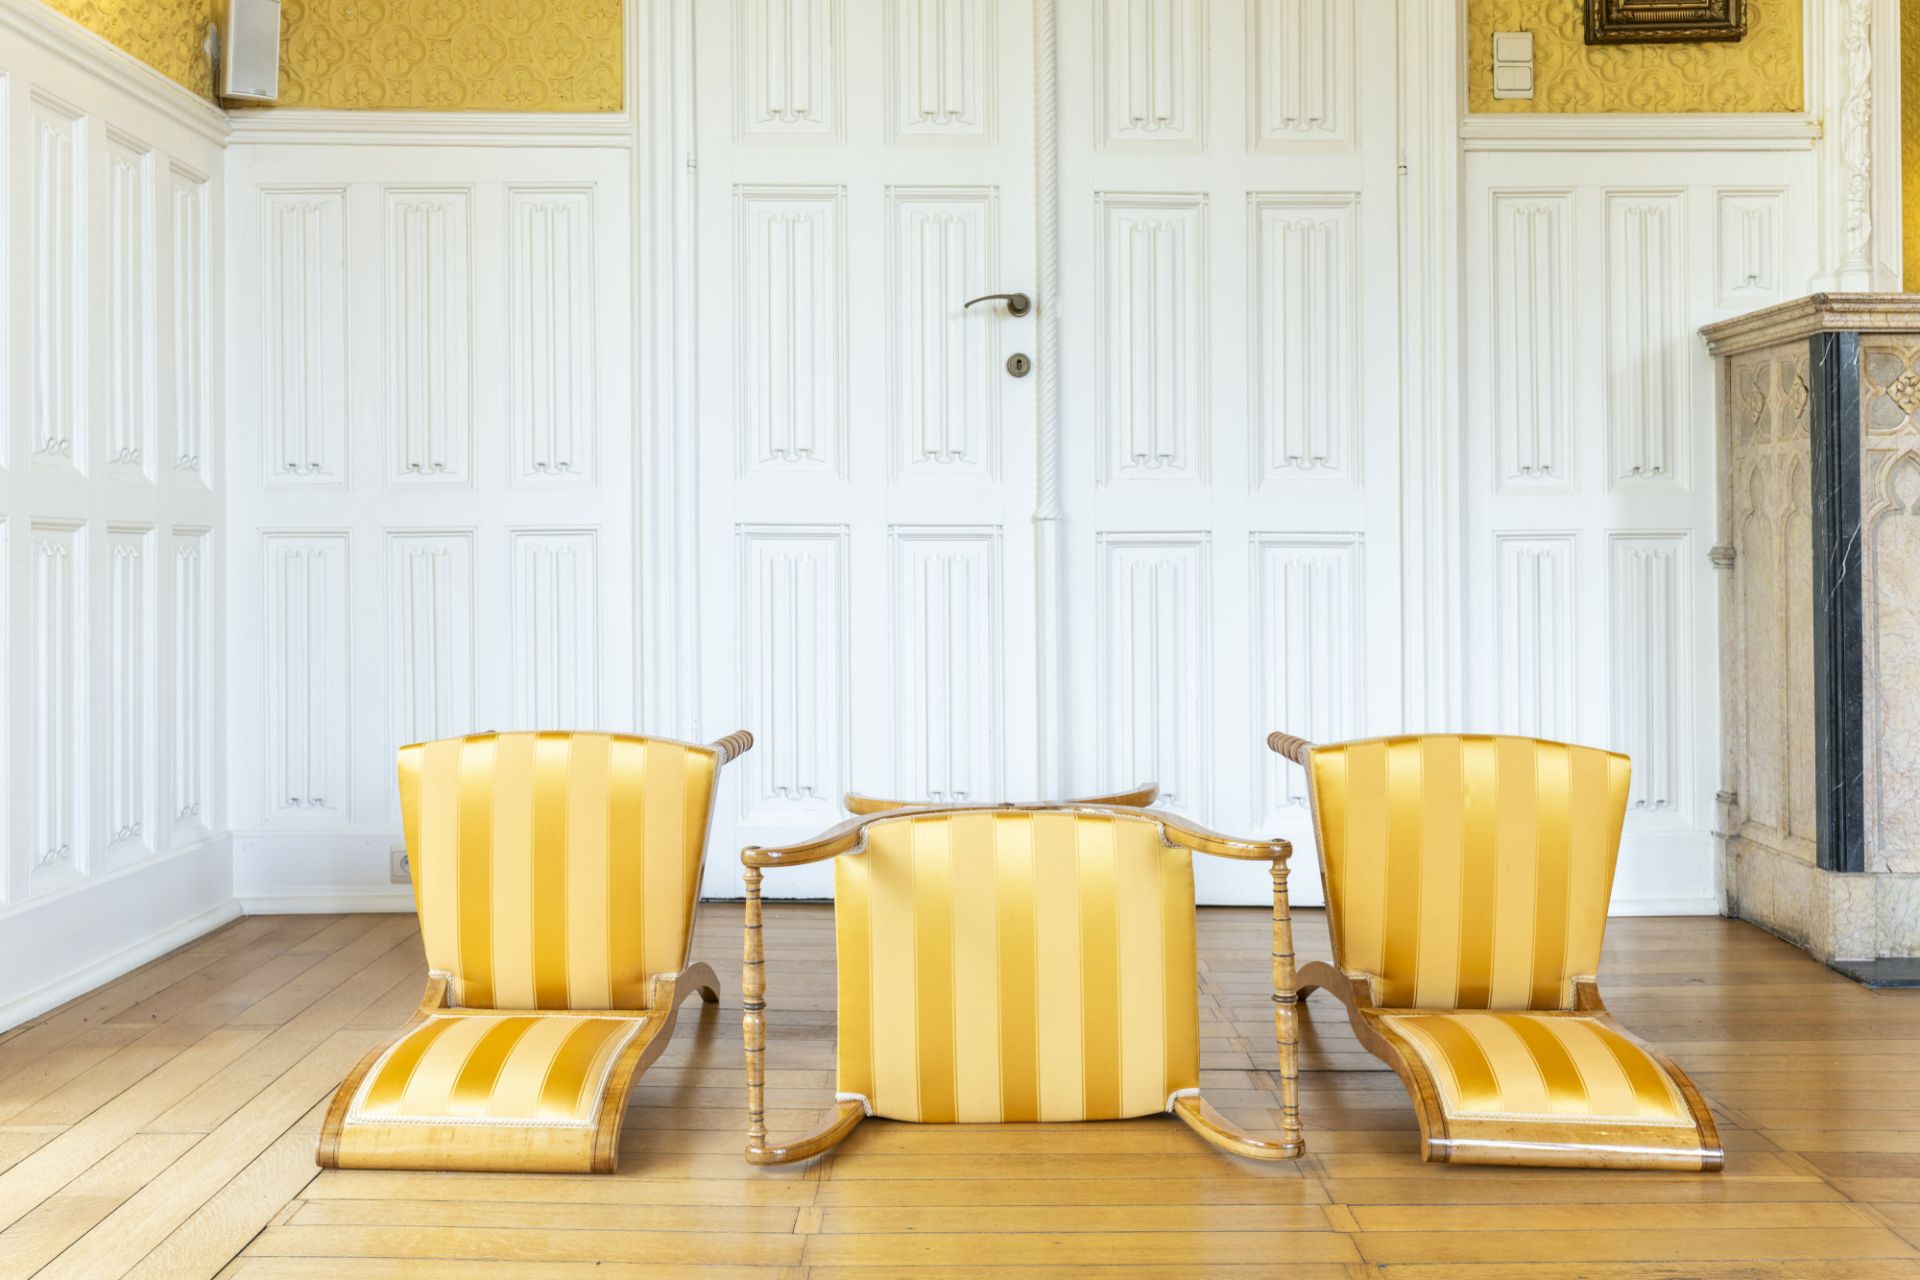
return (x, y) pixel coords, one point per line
(1286, 1009)
(753, 1024)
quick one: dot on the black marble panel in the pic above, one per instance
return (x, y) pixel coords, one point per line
(1838, 656)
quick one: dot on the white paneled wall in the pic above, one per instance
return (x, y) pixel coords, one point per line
(111, 529)
(432, 475)
(1589, 483)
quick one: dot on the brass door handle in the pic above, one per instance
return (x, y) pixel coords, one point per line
(1018, 304)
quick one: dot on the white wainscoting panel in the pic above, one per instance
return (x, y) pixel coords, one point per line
(111, 659)
(1300, 63)
(300, 295)
(795, 669)
(948, 689)
(1150, 63)
(946, 385)
(436, 496)
(429, 308)
(1307, 672)
(1152, 309)
(1156, 664)
(790, 329)
(1589, 456)
(1306, 337)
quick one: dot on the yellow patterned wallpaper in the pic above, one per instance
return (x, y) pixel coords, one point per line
(168, 35)
(451, 55)
(1910, 141)
(1759, 73)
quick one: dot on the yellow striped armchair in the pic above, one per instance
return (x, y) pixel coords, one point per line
(556, 876)
(1467, 881)
(1016, 963)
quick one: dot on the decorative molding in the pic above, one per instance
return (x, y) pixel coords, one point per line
(430, 634)
(552, 343)
(57, 662)
(56, 320)
(1431, 344)
(1153, 307)
(1304, 296)
(1155, 718)
(306, 669)
(1650, 344)
(304, 365)
(191, 333)
(1150, 73)
(193, 681)
(293, 127)
(129, 692)
(1635, 131)
(125, 378)
(945, 369)
(1052, 677)
(795, 674)
(94, 55)
(790, 76)
(1532, 304)
(1854, 128)
(941, 71)
(1300, 64)
(1750, 241)
(556, 628)
(1308, 629)
(1650, 590)
(1536, 649)
(429, 373)
(790, 328)
(949, 689)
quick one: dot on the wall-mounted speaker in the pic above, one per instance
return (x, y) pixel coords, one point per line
(249, 66)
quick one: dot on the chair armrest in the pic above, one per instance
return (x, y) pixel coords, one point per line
(1202, 840)
(1293, 748)
(733, 746)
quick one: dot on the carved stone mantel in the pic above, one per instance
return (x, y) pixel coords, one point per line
(1820, 623)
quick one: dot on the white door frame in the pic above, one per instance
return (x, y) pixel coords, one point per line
(668, 646)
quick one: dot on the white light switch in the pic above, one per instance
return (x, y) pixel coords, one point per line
(1513, 64)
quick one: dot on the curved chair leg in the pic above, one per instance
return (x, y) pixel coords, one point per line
(1318, 975)
(846, 1114)
(699, 977)
(1226, 1135)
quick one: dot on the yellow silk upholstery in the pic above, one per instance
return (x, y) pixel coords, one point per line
(555, 870)
(1540, 1066)
(1468, 871)
(1011, 965)
(529, 1069)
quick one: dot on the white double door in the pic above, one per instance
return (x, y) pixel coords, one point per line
(1227, 425)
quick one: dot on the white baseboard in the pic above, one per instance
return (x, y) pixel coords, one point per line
(328, 900)
(51, 952)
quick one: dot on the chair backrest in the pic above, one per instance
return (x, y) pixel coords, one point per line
(555, 870)
(1016, 964)
(1468, 871)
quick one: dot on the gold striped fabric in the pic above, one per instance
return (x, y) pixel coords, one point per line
(1535, 1066)
(1468, 872)
(1010, 966)
(555, 870)
(544, 1070)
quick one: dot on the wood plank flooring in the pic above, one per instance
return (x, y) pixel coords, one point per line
(164, 1126)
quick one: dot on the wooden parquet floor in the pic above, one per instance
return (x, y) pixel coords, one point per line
(164, 1126)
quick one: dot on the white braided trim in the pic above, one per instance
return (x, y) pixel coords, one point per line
(1178, 1094)
(866, 1105)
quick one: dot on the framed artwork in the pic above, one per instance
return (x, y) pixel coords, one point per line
(1664, 21)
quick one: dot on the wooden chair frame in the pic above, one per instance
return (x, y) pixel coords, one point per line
(665, 994)
(849, 838)
(1531, 1141)
(1132, 798)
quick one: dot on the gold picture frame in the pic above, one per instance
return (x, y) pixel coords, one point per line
(1665, 21)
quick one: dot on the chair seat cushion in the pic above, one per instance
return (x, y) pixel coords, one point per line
(1563, 1067)
(484, 1068)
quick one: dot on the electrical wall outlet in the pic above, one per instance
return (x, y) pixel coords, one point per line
(400, 871)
